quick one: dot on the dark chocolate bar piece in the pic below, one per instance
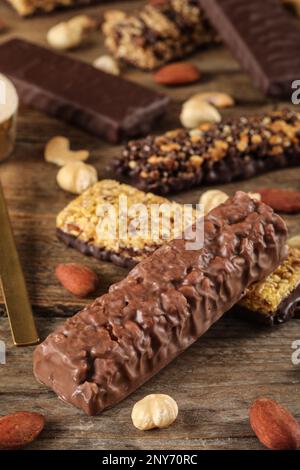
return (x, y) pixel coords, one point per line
(78, 223)
(106, 105)
(213, 153)
(276, 299)
(29, 7)
(102, 354)
(263, 37)
(154, 35)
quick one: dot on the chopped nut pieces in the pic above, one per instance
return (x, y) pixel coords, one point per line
(76, 177)
(238, 148)
(58, 151)
(108, 64)
(72, 33)
(156, 35)
(179, 73)
(154, 411)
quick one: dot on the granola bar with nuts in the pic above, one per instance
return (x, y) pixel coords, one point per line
(212, 153)
(155, 35)
(277, 298)
(29, 7)
(107, 222)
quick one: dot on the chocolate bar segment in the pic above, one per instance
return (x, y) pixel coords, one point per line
(102, 354)
(154, 35)
(263, 37)
(84, 224)
(108, 106)
(214, 153)
(29, 7)
(276, 299)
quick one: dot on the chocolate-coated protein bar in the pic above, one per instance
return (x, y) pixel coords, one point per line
(108, 106)
(263, 37)
(275, 299)
(158, 34)
(82, 224)
(102, 354)
(29, 7)
(214, 153)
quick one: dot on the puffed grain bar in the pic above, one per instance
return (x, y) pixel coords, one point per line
(105, 352)
(30, 7)
(154, 35)
(78, 224)
(214, 153)
(275, 299)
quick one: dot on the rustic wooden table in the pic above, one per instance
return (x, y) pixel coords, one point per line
(215, 380)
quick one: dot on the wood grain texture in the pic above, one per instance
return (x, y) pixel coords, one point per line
(216, 380)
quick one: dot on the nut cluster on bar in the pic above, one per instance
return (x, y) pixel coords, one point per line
(276, 298)
(78, 224)
(213, 153)
(155, 35)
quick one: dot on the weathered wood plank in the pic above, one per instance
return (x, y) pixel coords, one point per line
(216, 380)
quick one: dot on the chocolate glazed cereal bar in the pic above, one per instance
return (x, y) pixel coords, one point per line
(275, 299)
(213, 153)
(158, 34)
(29, 7)
(102, 354)
(78, 224)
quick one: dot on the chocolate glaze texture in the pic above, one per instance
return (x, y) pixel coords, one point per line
(102, 354)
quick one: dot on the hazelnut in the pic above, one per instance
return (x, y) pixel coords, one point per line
(154, 411)
(76, 177)
(294, 242)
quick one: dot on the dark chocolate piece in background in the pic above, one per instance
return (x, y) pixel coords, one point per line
(263, 37)
(108, 106)
(105, 352)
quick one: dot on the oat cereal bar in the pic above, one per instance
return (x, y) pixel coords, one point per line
(155, 35)
(101, 355)
(29, 7)
(78, 224)
(213, 153)
(277, 298)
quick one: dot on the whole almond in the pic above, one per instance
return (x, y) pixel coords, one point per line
(178, 73)
(77, 279)
(274, 426)
(19, 429)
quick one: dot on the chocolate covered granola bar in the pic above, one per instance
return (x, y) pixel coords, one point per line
(85, 225)
(105, 352)
(213, 153)
(275, 299)
(29, 7)
(158, 34)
